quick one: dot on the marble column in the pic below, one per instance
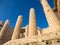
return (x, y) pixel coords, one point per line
(50, 15)
(17, 29)
(32, 23)
(2, 32)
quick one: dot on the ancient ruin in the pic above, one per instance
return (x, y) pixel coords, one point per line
(31, 34)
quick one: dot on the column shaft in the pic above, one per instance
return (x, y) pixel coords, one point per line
(32, 23)
(17, 30)
(2, 32)
(50, 15)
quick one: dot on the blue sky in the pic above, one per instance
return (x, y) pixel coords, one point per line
(10, 9)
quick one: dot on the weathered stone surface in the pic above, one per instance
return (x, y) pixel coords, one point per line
(31, 34)
(50, 15)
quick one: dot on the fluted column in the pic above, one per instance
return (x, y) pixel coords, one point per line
(50, 15)
(32, 23)
(2, 32)
(17, 30)
(26, 31)
(58, 6)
